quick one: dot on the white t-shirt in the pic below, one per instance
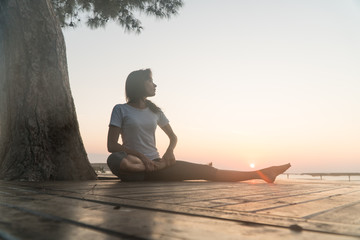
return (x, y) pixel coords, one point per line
(138, 128)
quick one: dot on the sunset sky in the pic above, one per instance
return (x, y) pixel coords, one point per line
(260, 82)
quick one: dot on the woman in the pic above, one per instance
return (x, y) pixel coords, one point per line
(137, 158)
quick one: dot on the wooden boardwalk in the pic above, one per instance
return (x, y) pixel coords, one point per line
(110, 209)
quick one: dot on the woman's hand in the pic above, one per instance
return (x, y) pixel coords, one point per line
(169, 157)
(149, 165)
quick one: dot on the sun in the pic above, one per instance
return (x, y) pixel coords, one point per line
(252, 165)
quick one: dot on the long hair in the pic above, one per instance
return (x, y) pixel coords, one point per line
(135, 88)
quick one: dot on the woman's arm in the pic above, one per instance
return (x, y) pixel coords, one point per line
(169, 156)
(113, 138)
(114, 146)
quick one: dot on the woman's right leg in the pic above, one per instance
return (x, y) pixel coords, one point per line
(121, 162)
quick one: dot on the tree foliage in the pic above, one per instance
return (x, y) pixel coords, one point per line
(98, 12)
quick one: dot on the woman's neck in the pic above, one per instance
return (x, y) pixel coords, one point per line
(141, 104)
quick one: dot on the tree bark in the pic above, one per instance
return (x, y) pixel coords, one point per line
(39, 132)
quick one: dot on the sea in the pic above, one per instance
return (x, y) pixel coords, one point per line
(295, 176)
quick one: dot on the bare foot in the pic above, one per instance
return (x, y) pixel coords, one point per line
(269, 174)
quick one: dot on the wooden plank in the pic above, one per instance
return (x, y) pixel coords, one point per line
(182, 194)
(137, 223)
(151, 189)
(171, 193)
(312, 207)
(347, 215)
(17, 224)
(290, 199)
(212, 199)
(264, 219)
(229, 199)
(167, 194)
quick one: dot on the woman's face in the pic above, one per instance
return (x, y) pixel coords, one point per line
(150, 87)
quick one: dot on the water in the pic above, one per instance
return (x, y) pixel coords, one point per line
(329, 178)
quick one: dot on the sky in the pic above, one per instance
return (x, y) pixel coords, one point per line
(261, 82)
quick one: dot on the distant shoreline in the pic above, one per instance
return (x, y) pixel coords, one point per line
(100, 167)
(326, 174)
(332, 174)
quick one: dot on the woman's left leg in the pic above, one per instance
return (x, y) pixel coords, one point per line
(191, 171)
(182, 170)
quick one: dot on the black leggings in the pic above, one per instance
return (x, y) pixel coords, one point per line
(180, 171)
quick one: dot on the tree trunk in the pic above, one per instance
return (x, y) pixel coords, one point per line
(39, 132)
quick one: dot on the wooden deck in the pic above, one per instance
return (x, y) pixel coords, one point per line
(110, 209)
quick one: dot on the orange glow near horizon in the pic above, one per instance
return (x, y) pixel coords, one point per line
(240, 154)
